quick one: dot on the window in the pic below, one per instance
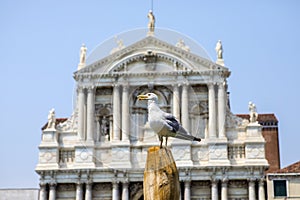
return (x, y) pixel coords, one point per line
(279, 188)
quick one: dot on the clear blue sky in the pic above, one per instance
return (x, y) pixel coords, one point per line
(40, 43)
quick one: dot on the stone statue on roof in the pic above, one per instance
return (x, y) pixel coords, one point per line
(83, 50)
(219, 50)
(151, 24)
(253, 112)
(51, 119)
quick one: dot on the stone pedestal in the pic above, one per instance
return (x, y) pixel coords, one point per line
(49, 153)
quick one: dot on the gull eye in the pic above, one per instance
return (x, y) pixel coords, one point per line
(149, 95)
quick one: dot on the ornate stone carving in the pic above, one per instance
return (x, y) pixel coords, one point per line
(120, 46)
(182, 45)
(150, 59)
(71, 124)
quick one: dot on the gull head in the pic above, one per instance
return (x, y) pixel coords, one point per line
(148, 96)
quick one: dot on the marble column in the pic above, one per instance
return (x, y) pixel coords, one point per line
(90, 114)
(125, 114)
(176, 102)
(125, 192)
(211, 111)
(214, 190)
(43, 192)
(52, 191)
(116, 113)
(251, 189)
(79, 193)
(224, 190)
(187, 190)
(221, 109)
(185, 107)
(115, 190)
(88, 191)
(261, 190)
(81, 120)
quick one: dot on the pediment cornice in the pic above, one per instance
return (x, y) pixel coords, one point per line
(136, 52)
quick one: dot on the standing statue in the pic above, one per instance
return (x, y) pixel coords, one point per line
(219, 50)
(253, 112)
(83, 50)
(151, 23)
(51, 119)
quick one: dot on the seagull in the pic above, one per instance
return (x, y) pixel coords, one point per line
(164, 124)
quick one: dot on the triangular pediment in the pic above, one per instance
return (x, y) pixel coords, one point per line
(151, 54)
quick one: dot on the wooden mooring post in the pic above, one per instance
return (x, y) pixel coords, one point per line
(161, 179)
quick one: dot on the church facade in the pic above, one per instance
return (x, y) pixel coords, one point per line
(100, 151)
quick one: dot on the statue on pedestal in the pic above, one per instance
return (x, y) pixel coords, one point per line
(83, 50)
(253, 112)
(51, 119)
(219, 50)
(151, 23)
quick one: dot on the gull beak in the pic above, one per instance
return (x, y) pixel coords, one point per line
(142, 97)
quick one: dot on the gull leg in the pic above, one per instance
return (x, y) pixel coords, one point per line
(166, 141)
(161, 141)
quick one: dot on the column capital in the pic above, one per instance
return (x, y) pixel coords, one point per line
(90, 89)
(52, 185)
(80, 89)
(221, 84)
(210, 84)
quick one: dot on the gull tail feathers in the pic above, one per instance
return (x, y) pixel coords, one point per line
(184, 135)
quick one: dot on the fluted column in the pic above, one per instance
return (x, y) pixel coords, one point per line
(81, 98)
(115, 190)
(79, 193)
(176, 101)
(90, 114)
(88, 191)
(211, 110)
(224, 190)
(187, 190)
(52, 191)
(125, 114)
(185, 107)
(116, 113)
(261, 190)
(43, 192)
(125, 192)
(214, 190)
(251, 189)
(221, 109)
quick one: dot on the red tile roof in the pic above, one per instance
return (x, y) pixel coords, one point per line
(261, 117)
(293, 168)
(58, 120)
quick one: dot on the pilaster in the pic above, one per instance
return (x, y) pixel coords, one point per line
(90, 114)
(125, 114)
(221, 110)
(211, 110)
(185, 107)
(116, 113)
(176, 102)
(81, 114)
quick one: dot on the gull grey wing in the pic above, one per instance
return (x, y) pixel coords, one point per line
(172, 122)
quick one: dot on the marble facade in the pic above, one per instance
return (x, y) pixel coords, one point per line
(99, 152)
